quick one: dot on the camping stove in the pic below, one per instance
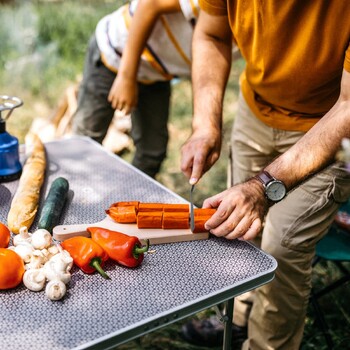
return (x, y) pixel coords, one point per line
(10, 166)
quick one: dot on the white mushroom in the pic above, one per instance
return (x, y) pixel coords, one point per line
(23, 237)
(25, 251)
(37, 260)
(34, 279)
(57, 270)
(55, 290)
(65, 259)
(53, 250)
(41, 239)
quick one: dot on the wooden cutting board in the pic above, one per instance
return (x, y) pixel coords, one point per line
(155, 236)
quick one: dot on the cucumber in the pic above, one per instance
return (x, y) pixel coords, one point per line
(53, 204)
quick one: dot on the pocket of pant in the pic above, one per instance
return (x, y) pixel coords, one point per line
(315, 205)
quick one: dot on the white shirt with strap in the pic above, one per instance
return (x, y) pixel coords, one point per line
(168, 50)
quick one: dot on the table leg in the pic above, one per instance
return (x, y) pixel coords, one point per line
(227, 319)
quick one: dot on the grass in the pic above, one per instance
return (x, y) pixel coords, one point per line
(40, 58)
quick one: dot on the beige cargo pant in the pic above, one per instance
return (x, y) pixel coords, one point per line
(275, 313)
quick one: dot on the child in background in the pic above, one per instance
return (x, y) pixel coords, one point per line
(132, 57)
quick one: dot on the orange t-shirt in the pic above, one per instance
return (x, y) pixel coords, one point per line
(295, 52)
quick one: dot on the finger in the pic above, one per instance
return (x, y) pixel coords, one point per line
(222, 222)
(240, 230)
(186, 162)
(253, 230)
(197, 168)
(212, 158)
(212, 202)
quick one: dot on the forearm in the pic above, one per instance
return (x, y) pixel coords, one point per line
(142, 24)
(210, 70)
(318, 147)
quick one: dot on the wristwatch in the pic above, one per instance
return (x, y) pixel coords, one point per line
(275, 190)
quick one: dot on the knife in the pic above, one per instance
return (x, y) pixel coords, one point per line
(191, 209)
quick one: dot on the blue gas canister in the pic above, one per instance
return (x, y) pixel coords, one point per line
(10, 165)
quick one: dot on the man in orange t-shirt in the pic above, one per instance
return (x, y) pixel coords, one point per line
(294, 111)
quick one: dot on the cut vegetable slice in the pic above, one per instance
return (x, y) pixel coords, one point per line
(124, 215)
(150, 219)
(126, 204)
(175, 220)
(148, 207)
(176, 208)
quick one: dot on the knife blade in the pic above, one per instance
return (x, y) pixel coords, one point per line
(191, 209)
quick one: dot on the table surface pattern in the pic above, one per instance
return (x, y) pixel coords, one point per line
(176, 275)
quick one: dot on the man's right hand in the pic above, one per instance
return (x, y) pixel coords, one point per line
(199, 153)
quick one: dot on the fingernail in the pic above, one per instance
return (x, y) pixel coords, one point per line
(193, 180)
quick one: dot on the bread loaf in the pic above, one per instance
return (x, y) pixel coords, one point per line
(25, 202)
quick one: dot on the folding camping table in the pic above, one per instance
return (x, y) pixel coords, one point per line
(178, 280)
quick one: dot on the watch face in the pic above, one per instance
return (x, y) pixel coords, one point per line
(275, 190)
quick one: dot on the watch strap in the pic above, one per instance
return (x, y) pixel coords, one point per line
(264, 177)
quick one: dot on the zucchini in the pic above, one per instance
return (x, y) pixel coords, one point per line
(53, 204)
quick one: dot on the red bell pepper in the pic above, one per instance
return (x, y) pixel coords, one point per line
(86, 254)
(125, 250)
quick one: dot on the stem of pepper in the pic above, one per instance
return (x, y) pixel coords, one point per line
(140, 250)
(96, 264)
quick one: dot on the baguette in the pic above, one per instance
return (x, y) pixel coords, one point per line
(25, 202)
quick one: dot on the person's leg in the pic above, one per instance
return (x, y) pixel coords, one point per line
(247, 158)
(253, 146)
(150, 126)
(276, 311)
(94, 113)
(292, 229)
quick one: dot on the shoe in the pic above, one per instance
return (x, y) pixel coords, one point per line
(210, 333)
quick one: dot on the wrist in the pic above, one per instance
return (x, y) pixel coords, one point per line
(275, 190)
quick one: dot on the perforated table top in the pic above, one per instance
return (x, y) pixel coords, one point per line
(178, 280)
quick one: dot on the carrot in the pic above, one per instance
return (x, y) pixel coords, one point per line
(176, 208)
(126, 204)
(199, 222)
(150, 219)
(175, 220)
(150, 207)
(204, 212)
(201, 216)
(125, 215)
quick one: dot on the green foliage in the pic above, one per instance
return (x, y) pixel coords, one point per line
(45, 49)
(70, 24)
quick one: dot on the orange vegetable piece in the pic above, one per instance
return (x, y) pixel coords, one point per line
(150, 207)
(150, 219)
(199, 222)
(11, 269)
(5, 236)
(176, 208)
(204, 212)
(124, 215)
(176, 220)
(126, 204)
(201, 216)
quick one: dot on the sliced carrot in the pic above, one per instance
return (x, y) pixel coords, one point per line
(124, 215)
(176, 208)
(126, 204)
(150, 207)
(150, 219)
(204, 212)
(201, 216)
(199, 222)
(175, 220)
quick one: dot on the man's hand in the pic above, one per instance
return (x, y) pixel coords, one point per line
(199, 153)
(240, 211)
(123, 94)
